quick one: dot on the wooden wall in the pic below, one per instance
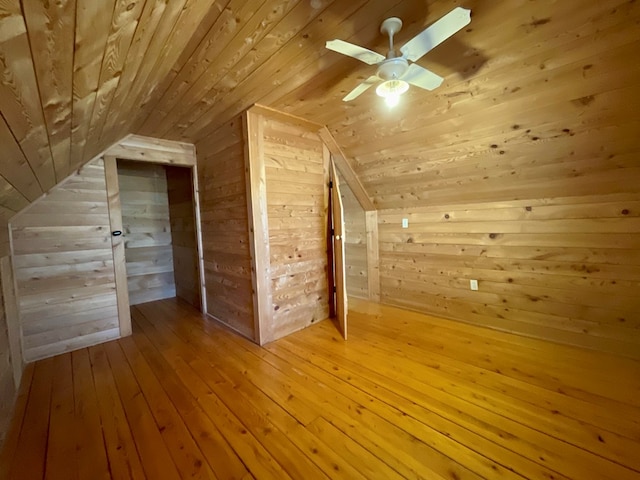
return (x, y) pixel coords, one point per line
(562, 268)
(355, 243)
(7, 386)
(224, 226)
(531, 185)
(64, 268)
(144, 203)
(297, 202)
(520, 171)
(11, 361)
(183, 234)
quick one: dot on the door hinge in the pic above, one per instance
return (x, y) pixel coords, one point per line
(334, 289)
(330, 184)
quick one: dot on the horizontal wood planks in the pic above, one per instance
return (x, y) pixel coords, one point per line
(144, 201)
(296, 188)
(565, 269)
(520, 171)
(539, 102)
(225, 228)
(80, 75)
(183, 234)
(153, 150)
(64, 267)
(409, 396)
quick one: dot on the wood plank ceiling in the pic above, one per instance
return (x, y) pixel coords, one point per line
(78, 75)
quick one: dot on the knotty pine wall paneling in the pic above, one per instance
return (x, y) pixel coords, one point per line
(520, 171)
(297, 205)
(11, 361)
(355, 243)
(225, 227)
(63, 265)
(183, 234)
(566, 269)
(11, 320)
(144, 201)
(7, 387)
(7, 384)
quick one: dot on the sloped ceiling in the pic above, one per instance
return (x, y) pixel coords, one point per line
(78, 75)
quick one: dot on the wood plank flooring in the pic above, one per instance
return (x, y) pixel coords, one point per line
(408, 396)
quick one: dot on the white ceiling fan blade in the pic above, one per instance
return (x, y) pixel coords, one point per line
(360, 89)
(421, 77)
(437, 33)
(351, 50)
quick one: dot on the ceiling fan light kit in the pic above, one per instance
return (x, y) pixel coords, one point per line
(390, 70)
(396, 72)
(391, 91)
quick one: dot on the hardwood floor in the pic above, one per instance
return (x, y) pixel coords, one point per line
(408, 396)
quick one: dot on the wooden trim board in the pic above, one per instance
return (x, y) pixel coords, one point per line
(373, 255)
(253, 124)
(199, 252)
(347, 171)
(285, 117)
(117, 243)
(12, 317)
(154, 150)
(328, 214)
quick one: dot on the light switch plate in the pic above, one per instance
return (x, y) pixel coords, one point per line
(473, 284)
(405, 223)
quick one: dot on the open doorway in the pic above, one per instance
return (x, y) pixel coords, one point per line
(159, 230)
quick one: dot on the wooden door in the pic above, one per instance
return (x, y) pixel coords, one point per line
(117, 244)
(339, 272)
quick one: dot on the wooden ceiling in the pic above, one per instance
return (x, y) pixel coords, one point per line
(78, 75)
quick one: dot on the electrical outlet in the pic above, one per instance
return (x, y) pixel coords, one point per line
(405, 223)
(473, 284)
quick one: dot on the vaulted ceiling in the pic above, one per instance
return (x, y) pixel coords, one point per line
(78, 75)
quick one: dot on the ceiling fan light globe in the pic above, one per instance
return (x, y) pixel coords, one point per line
(392, 88)
(392, 100)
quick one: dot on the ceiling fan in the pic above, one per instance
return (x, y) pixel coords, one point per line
(394, 71)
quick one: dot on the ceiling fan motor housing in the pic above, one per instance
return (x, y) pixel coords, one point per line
(392, 68)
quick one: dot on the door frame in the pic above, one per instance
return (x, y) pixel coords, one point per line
(155, 151)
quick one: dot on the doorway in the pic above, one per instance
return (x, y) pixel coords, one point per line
(159, 232)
